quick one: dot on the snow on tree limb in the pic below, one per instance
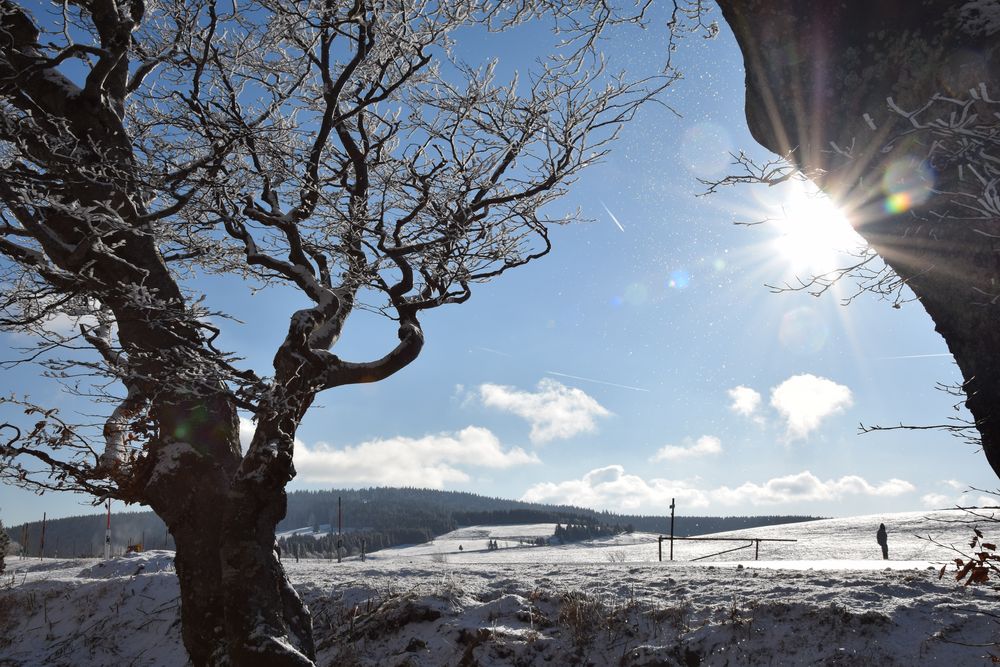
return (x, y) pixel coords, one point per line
(342, 150)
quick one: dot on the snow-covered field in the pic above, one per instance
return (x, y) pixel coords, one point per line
(827, 598)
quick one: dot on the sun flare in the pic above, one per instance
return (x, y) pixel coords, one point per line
(813, 233)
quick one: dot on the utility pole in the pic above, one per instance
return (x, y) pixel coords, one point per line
(671, 529)
(340, 528)
(41, 544)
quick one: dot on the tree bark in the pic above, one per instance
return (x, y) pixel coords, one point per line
(199, 578)
(267, 623)
(186, 478)
(237, 604)
(972, 332)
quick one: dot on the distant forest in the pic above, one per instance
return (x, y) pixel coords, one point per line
(381, 517)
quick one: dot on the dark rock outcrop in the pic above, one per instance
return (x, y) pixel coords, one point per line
(894, 107)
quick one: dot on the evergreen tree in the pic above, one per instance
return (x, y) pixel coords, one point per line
(4, 545)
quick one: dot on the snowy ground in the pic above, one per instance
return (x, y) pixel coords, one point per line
(828, 598)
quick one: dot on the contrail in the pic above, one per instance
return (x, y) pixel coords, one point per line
(613, 218)
(610, 384)
(915, 356)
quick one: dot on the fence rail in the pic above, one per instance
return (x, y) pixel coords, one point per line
(750, 542)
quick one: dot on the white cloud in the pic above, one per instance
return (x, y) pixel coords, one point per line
(247, 429)
(612, 488)
(805, 400)
(745, 400)
(964, 499)
(935, 500)
(805, 486)
(703, 446)
(554, 411)
(431, 461)
(59, 325)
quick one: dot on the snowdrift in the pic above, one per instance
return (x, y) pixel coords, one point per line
(827, 598)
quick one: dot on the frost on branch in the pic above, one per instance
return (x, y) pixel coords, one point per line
(340, 150)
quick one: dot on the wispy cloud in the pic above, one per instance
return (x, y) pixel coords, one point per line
(706, 445)
(804, 401)
(915, 356)
(554, 410)
(612, 488)
(604, 382)
(499, 353)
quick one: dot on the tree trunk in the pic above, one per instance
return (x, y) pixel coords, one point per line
(90, 222)
(188, 498)
(972, 332)
(237, 605)
(267, 623)
(819, 77)
(199, 577)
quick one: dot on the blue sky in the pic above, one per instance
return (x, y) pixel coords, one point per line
(644, 359)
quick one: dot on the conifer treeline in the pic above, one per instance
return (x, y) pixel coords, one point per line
(353, 543)
(577, 532)
(83, 536)
(382, 517)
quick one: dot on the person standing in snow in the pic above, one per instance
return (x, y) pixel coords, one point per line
(883, 541)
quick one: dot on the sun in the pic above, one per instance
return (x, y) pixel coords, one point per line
(813, 233)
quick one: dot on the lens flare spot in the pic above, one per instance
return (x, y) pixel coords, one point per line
(705, 149)
(898, 203)
(636, 294)
(679, 279)
(906, 185)
(803, 331)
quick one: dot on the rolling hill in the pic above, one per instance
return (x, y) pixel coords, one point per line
(382, 516)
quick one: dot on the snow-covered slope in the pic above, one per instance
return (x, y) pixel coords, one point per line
(830, 543)
(90, 612)
(827, 598)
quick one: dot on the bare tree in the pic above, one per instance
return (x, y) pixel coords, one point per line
(340, 149)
